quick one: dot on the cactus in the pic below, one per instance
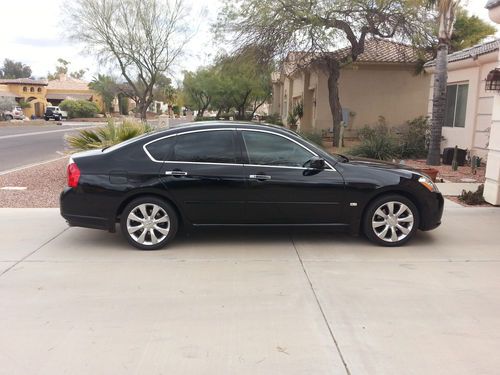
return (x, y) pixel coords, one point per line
(454, 164)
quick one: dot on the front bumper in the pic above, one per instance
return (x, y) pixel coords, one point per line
(431, 212)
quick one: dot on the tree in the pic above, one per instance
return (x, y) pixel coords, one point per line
(198, 89)
(163, 90)
(6, 104)
(446, 16)
(314, 28)
(243, 83)
(62, 68)
(13, 69)
(107, 87)
(143, 38)
(468, 30)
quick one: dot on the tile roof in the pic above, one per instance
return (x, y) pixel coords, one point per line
(383, 51)
(472, 52)
(22, 81)
(69, 96)
(65, 82)
(492, 4)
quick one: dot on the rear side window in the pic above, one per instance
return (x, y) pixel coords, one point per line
(162, 150)
(207, 147)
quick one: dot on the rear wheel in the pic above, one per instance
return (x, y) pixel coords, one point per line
(391, 220)
(8, 117)
(149, 223)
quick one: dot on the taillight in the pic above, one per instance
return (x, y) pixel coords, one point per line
(73, 174)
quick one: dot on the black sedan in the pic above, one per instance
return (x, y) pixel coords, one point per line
(242, 174)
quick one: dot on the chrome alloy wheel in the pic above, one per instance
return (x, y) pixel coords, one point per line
(148, 224)
(392, 221)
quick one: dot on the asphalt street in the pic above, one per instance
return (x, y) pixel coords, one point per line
(29, 144)
(22, 145)
(82, 301)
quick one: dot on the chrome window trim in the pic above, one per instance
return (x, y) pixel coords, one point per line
(144, 147)
(290, 139)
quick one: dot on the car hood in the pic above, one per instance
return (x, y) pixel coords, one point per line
(379, 164)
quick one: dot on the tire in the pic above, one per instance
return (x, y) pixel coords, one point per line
(157, 233)
(8, 117)
(391, 220)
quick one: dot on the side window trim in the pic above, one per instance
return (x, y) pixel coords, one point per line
(282, 136)
(237, 152)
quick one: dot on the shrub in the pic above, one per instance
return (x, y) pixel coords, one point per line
(414, 140)
(473, 198)
(109, 135)
(313, 137)
(79, 108)
(377, 143)
(274, 119)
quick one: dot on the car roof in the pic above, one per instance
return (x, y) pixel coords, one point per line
(200, 125)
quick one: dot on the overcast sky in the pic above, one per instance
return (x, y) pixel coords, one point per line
(33, 35)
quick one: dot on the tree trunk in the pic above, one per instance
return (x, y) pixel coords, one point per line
(438, 104)
(334, 100)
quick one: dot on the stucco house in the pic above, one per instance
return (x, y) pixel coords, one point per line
(29, 90)
(469, 104)
(382, 82)
(40, 93)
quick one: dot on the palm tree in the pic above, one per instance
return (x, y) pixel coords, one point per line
(446, 14)
(106, 87)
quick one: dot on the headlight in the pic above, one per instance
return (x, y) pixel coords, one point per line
(428, 183)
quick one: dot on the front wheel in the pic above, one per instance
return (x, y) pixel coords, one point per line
(149, 223)
(391, 220)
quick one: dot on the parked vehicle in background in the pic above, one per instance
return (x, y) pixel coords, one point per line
(16, 114)
(55, 113)
(242, 174)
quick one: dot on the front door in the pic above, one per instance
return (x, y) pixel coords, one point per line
(204, 174)
(282, 189)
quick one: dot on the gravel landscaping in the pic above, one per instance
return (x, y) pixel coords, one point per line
(446, 173)
(43, 184)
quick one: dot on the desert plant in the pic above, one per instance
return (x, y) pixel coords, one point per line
(292, 120)
(109, 135)
(79, 108)
(377, 143)
(473, 197)
(24, 104)
(274, 119)
(415, 139)
(298, 110)
(313, 137)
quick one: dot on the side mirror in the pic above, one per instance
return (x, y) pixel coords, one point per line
(316, 163)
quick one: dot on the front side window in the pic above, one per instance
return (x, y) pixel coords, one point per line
(456, 105)
(206, 147)
(270, 149)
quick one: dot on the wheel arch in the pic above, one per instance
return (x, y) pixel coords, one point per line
(404, 193)
(148, 193)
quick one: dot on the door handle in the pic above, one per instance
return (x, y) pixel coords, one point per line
(176, 173)
(260, 177)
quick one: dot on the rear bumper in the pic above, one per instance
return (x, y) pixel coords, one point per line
(431, 212)
(73, 211)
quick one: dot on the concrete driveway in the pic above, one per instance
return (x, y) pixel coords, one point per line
(80, 301)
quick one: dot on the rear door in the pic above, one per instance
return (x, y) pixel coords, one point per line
(204, 174)
(281, 188)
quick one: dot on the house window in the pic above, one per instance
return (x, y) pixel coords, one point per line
(32, 89)
(39, 89)
(25, 89)
(456, 105)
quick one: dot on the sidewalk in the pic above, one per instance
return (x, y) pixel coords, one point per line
(455, 188)
(82, 301)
